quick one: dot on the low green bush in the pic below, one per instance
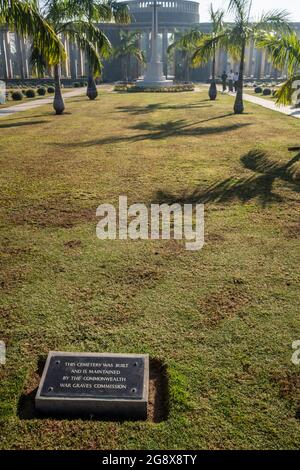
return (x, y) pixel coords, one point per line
(258, 90)
(41, 91)
(17, 96)
(30, 93)
(50, 89)
(171, 89)
(267, 92)
(76, 85)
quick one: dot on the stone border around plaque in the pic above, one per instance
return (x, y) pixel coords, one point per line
(103, 384)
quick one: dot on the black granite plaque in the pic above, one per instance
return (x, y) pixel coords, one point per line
(94, 383)
(85, 376)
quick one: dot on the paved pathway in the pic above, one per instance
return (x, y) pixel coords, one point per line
(270, 104)
(36, 103)
(267, 103)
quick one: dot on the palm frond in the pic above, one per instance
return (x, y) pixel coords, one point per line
(187, 41)
(285, 94)
(89, 32)
(284, 50)
(240, 8)
(25, 19)
(274, 20)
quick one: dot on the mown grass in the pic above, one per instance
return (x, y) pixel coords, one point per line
(221, 320)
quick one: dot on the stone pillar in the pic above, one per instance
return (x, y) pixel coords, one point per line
(8, 70)
(164, 52)
(148, 45)
(80, 63)
(73, 60)
(247, 72)
(24, 46)
(258, 63)
(65, 64)
(20, 57)
(263, 63)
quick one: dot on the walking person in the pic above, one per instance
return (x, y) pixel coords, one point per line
(224, 81)
(231, 81)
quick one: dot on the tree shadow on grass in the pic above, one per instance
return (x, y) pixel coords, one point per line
(136, 110)
(243, 189)
(20, 124)
(179, 128)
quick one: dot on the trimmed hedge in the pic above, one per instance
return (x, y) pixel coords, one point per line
(50, 89)
(171, 89)
(41, 91)
(30, 93)
(258, 89)
(17, 96)
(267, 92)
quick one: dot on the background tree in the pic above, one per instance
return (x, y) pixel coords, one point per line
(100, 11)
(192, 42)
(62, 15)
(26, 19)
(235, 38)
(186, 48)
(285, 53)
(128, 48)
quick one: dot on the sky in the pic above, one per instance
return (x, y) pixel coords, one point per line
(293, 6)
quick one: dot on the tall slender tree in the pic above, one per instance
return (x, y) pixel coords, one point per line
(128, 48)
(25, 18)
(236, 37)
(63, 17)
(97, 11)
(191, 43)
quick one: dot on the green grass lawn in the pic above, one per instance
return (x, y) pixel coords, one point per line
(219, 322)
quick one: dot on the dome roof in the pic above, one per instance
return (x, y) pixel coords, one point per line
(170, 13)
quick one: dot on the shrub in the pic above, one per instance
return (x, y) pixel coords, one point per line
(274, 93)
(258, 89)
(30, 93)
(51, 89)
(76, 85)
(267, 92)
(172, 89)
(41, 91)
(17, 96)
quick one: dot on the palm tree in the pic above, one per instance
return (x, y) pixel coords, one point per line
(192, 42)
(285, 53)
(95, 11)
(25, 18)
(62, 15)
(237, 37)
(217, 27)
(128, 48)
(184, 42)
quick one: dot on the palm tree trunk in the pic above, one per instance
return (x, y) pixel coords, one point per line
(91, 91)
(239, 103)
(58, 102)
(213, 87)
